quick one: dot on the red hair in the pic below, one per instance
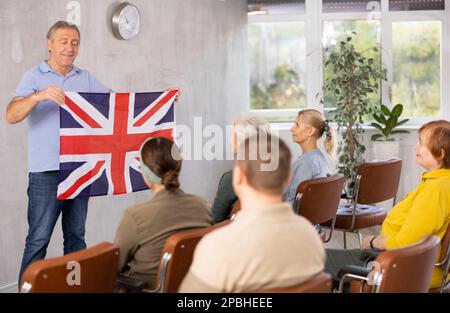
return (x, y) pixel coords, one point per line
(438, 140)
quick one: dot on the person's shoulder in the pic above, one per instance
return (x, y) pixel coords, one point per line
(35, 71)
(215, 243)
(317, 160)
(195, 199)
(440, 185)
(82, 71)
(315, 155)
(137, 209)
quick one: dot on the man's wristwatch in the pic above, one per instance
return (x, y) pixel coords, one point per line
(371, 242)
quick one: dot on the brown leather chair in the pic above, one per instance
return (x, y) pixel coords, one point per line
(318, 200)
(321, 283)
(236, 208)
(444, 263)
(407, 269)
(97, 265)
(375, 182)
(177, 257)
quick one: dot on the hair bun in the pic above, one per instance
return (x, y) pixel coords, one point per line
(170, 180)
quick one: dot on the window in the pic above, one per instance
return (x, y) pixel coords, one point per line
(416, 67)
(277, 65)
(368, 36)
(287, 51)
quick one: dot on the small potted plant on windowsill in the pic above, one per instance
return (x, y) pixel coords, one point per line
(385, 145)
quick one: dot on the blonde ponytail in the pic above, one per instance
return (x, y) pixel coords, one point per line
(330, 142)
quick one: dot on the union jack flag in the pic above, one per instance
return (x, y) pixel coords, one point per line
(100, 137)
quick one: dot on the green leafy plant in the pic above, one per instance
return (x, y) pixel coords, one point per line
(388, 122)
(354, 79)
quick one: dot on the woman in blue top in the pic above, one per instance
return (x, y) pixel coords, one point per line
(309, 127)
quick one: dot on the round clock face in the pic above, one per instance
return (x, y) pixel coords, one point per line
(126, 21)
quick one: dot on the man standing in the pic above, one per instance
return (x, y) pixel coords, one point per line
(38, 97)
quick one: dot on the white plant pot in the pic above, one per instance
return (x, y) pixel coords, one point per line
(384, 150)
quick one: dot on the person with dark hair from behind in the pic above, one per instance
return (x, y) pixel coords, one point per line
(267, 246)
(422, 212)
(309, 127)
(244, 125)
(144, 228)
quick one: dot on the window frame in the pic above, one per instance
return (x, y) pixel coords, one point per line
(314, 18)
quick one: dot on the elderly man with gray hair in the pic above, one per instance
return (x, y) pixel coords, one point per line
(38, 96)
(244, 125)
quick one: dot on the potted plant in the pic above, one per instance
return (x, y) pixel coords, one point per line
(385, 145)
(355, 77)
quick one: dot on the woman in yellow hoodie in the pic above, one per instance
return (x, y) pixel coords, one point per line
(424, 211)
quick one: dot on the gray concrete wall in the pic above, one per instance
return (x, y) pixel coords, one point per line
(197, 45)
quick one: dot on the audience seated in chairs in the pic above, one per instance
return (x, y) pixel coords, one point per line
(309, 127)
(424, 211)
(175, 262)
(267, 246)
(144, 228)
(244, 125)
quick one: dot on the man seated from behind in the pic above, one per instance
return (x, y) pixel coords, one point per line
(268, 245)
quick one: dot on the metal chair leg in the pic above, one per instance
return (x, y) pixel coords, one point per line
(360, 239)
(344, 234)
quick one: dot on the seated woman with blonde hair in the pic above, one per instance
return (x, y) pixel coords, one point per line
(424, 211)
(144, 228)
(309, 127)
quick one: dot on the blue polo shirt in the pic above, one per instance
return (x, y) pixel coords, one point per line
(43, 120)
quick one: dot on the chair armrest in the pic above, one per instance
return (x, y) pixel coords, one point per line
(132, 284)
(355, 270)
(369, 255)
(352, 272)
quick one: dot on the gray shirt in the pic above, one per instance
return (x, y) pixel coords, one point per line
(310, 165)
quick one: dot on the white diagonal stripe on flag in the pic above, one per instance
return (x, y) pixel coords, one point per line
(86, 107)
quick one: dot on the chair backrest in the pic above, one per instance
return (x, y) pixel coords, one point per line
(319, 198)
(409, 269)
(236, 208)
(445, 247)
(377, 181)
(95, 267)
(177, 256)
(320, 283)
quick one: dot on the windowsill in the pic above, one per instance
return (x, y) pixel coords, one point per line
(287, 126)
